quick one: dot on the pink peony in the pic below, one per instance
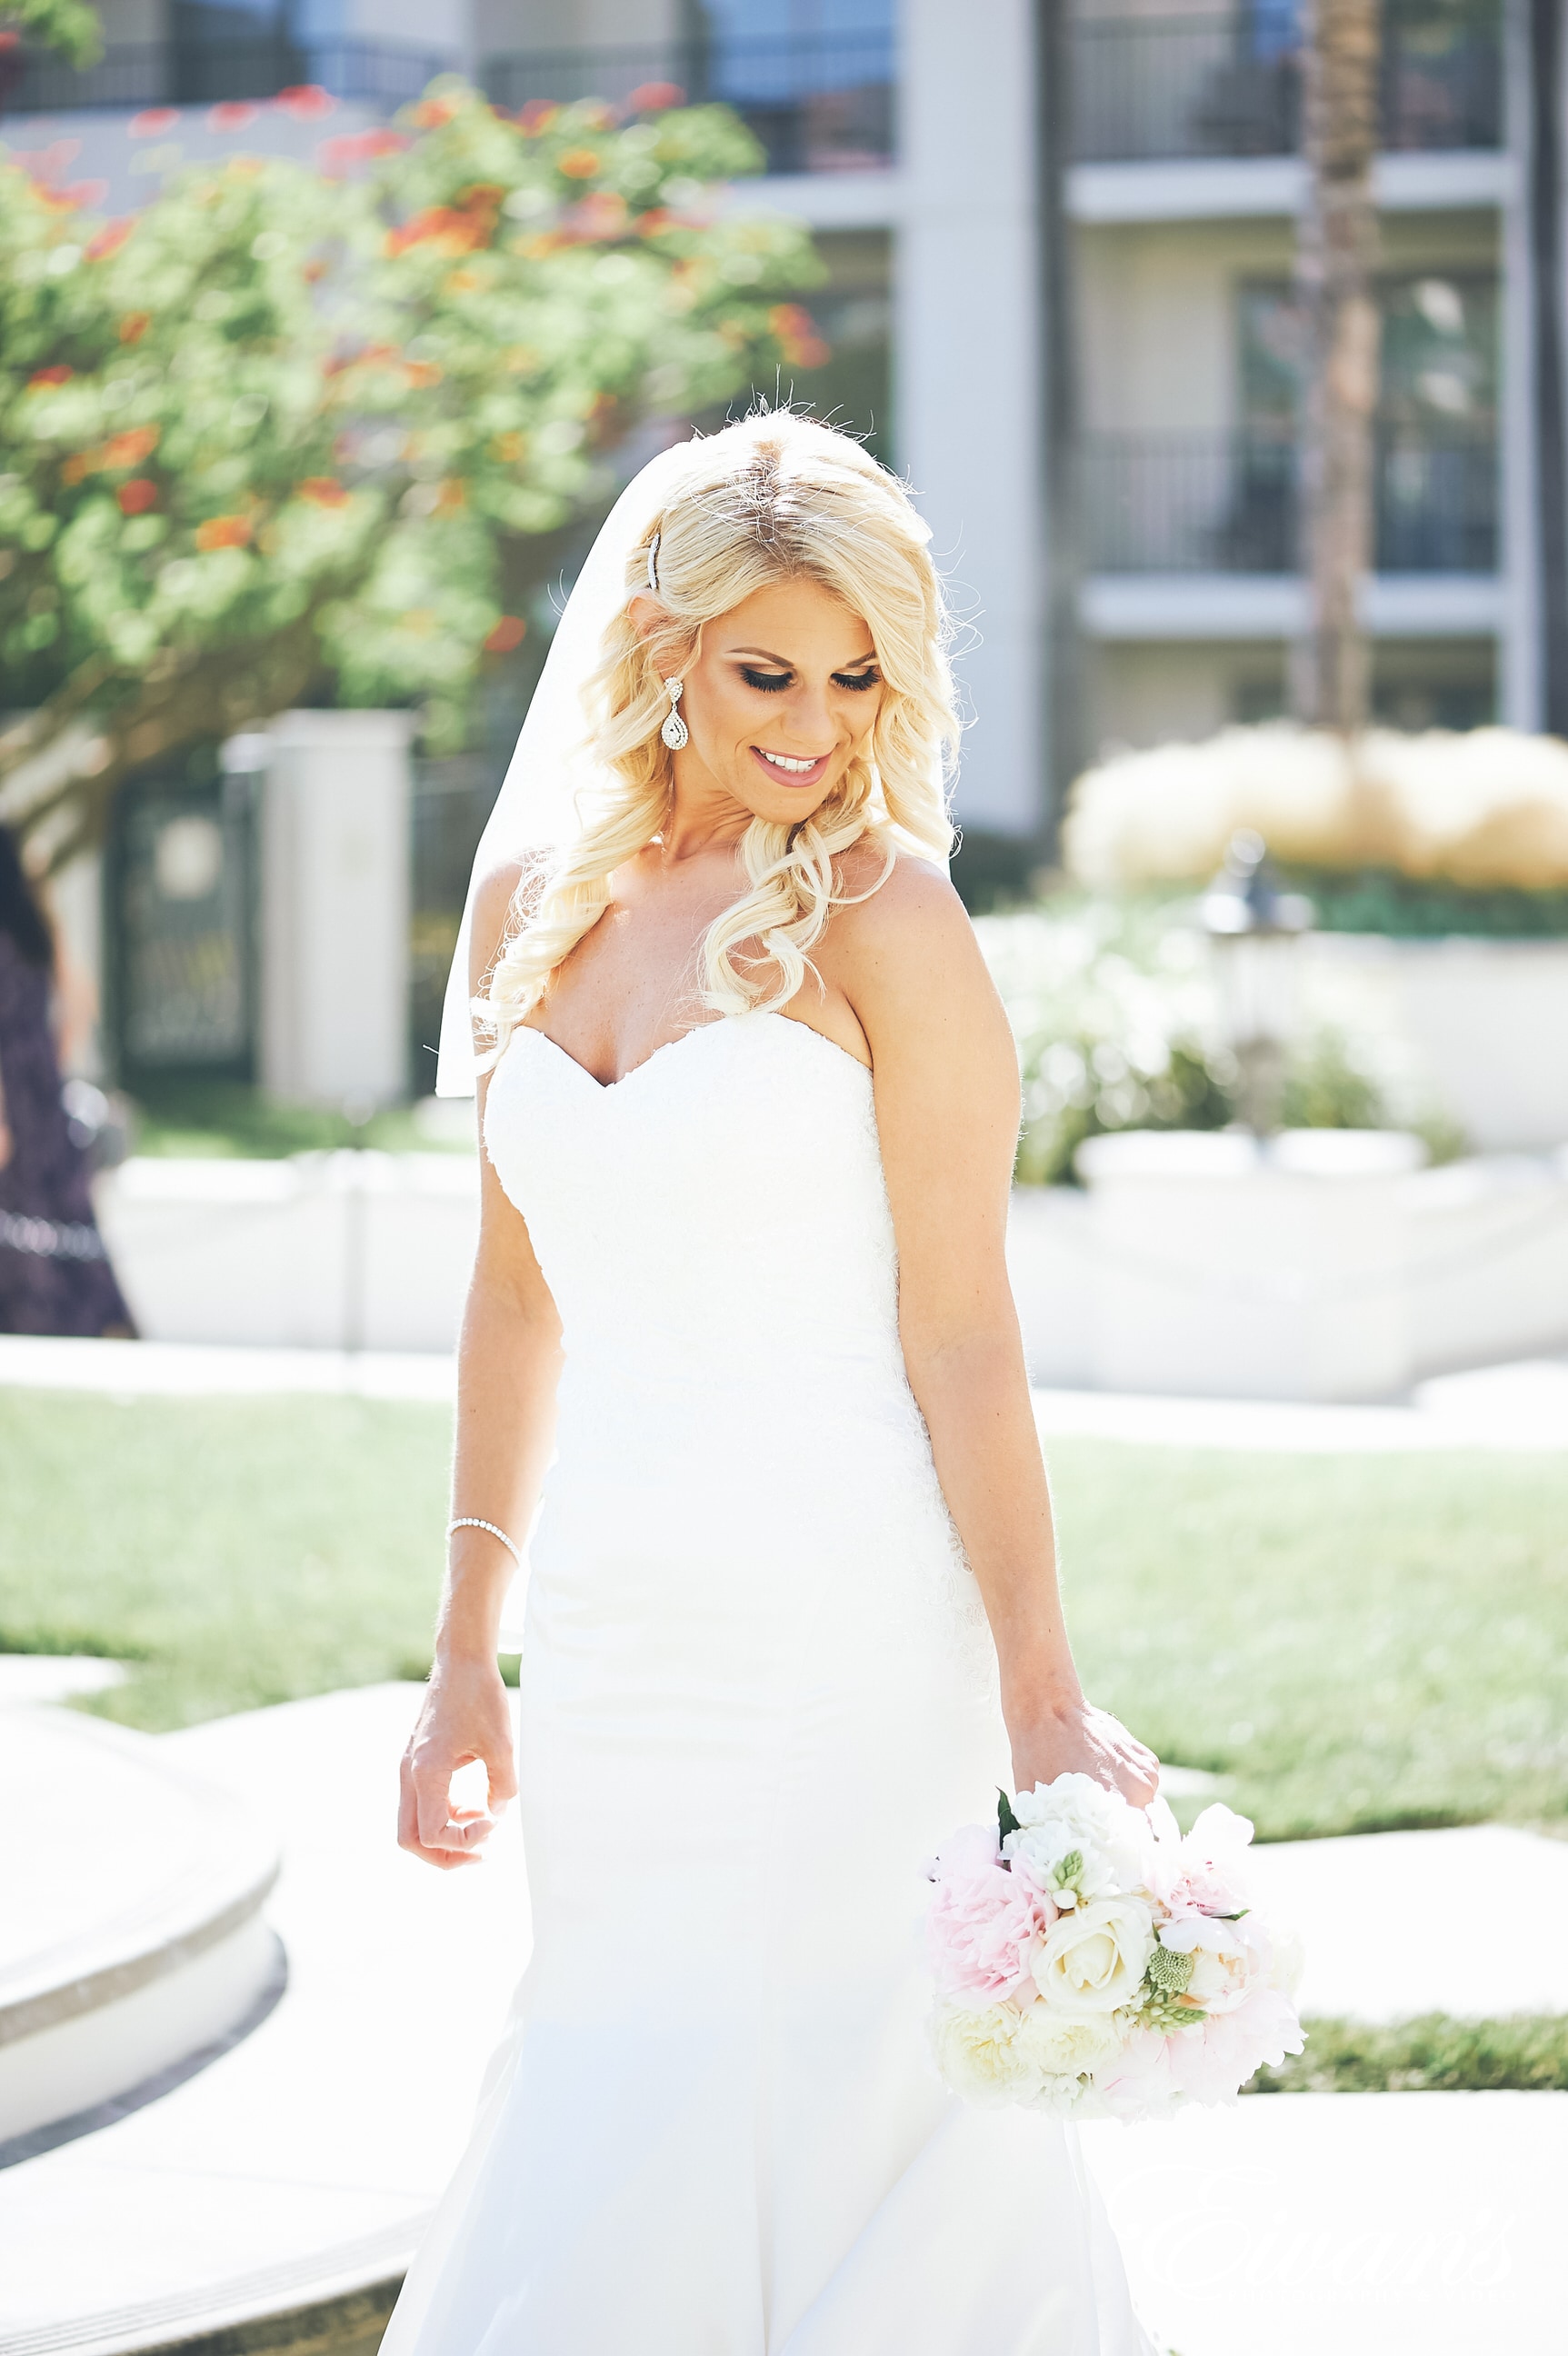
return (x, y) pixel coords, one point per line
(984, 1922)
(1206, 1873)
(1212, 2064)
(1139, 2084)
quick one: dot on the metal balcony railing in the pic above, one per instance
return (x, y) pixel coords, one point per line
(1228, 83)
(1228, 502)
(1438, 498)
(817, 102)
(204, 73)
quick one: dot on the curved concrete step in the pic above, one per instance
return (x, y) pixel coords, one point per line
(272, 2202)
(317, 2307)
(132, 1937)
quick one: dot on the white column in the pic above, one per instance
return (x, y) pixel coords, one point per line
(1519, 642)
(966, 371)
(335, 907)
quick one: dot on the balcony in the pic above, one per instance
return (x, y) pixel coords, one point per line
(203, 73)
(821, 103)
(1228, 503)
(1158, 89)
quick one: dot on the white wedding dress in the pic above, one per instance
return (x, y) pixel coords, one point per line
(757, 1690)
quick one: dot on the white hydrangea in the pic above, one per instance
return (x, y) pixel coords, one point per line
(1081, 1841)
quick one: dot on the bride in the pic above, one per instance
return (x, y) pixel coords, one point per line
(740, 1320)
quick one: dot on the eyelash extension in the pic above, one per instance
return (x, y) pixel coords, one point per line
(774, 682)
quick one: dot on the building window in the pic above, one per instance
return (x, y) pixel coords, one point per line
(1436, 456)
(852, 316)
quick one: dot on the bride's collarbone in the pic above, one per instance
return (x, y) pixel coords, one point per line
(632, 987)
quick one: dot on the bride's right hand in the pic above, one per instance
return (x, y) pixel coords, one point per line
(465, 1716)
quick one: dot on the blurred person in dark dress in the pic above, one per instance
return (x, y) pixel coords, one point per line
(55, 1276)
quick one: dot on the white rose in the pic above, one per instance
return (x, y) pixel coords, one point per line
(1066, 2044)
(1093, 1960)
(1225, 1959)
(977, 2052)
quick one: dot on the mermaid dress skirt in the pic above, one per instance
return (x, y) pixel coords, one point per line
(756, 1691)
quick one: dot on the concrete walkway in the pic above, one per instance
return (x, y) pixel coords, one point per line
(303, 2161)
(1376, 1911)
(1345, 2224)
(1518, 1407)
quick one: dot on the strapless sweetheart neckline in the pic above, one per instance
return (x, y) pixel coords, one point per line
(766, 1014)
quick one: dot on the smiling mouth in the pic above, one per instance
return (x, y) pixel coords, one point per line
(789, 770)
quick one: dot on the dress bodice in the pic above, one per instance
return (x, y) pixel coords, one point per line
(715, 1231)
(724, 1204)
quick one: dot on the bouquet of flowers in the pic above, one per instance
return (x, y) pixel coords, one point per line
(1089, 1959)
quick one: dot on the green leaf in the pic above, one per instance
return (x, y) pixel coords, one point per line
(67, 26)
(1006, 1821)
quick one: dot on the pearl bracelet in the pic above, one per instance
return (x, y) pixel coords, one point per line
(472, 1522)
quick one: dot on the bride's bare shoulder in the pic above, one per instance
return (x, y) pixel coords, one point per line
(906, 958)
(902, 906)
(504, 896)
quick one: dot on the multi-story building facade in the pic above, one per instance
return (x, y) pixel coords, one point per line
(1145, 576)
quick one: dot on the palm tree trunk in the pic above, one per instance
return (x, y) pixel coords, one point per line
(1336, 252)
(1545, 204)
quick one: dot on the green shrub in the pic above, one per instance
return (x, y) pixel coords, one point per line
(1410, 907)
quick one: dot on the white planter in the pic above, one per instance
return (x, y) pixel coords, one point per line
(1268, 1273)
(1330, 1268)
(1487, 1261)
(1487, 1023)
(1191, 1264)
(1053, 1272)
(326, 1251)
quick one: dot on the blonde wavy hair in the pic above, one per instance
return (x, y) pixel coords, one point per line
(777, 497)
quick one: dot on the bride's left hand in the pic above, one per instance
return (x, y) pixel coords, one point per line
(1071, 1737)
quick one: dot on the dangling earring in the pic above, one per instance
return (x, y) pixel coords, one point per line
(674, 732)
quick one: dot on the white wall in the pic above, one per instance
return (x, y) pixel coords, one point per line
(1146, 695)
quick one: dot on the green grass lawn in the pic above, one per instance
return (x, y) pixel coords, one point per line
(1431, 2054)
(1350, 1642)
(217, 1118)
(1356, 1643)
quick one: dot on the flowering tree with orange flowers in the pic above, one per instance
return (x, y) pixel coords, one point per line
(71, 27)
(292, 432)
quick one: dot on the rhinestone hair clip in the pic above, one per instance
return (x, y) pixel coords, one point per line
(653, 561)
